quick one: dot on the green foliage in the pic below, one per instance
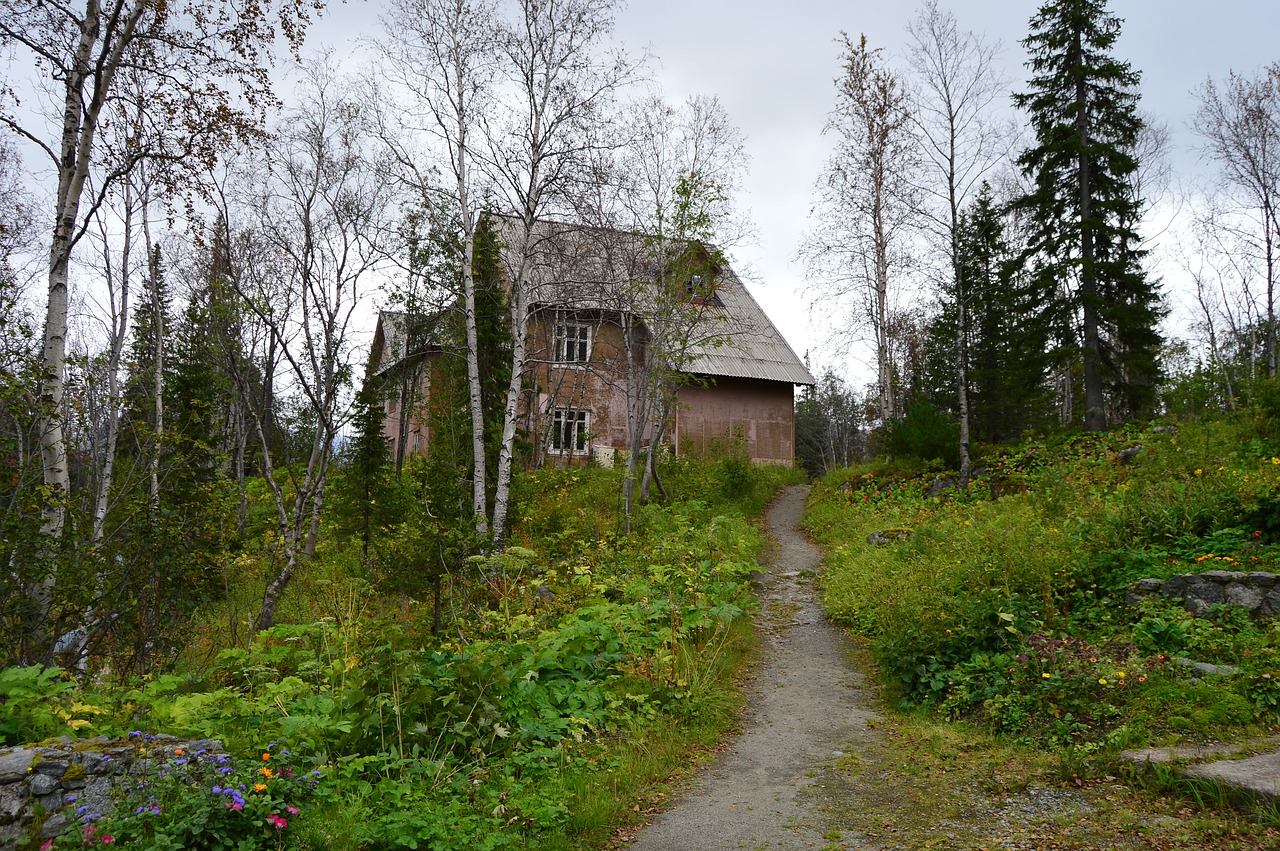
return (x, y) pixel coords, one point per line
(1009, 607)
(1155, 635)
(201, 801)
(38, 703)
(1082, 103)
(924, 433)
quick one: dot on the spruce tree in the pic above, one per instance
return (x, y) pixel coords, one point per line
(1083, 107)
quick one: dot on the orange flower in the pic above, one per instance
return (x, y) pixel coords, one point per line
(266, 756)
(258, 787)
(178, 752)
(265, 772)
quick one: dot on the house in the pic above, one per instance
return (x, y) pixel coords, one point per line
(620, 333)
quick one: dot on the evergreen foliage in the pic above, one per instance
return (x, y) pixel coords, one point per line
(1082, 103)
(1007, 332)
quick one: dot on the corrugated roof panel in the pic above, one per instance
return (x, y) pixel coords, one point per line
(738, 338)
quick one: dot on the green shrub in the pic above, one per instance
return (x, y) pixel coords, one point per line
(925, 433)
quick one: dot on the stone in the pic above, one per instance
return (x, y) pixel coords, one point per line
(1165, 429)
(1149, 585)
(845, 486)
(940, 486)
(1246, 597)
(1262, 580)
(1222, 576)
(1124, 456)
(55, 825)
(14, 766)
(55, 765)
(42, 784)
(888, 536)
(1208, 668)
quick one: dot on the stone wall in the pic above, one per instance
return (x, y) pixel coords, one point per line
(1256, 593)
(48, 788)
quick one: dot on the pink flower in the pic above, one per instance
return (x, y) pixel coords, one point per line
(293, 811)
(47, 845)
(107, 839)
(278, 822)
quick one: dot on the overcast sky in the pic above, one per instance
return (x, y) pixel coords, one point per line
(773, 65)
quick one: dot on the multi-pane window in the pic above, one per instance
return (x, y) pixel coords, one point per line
(569, 430)
(573, 343)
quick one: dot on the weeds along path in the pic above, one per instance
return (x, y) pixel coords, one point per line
(807, 708)
(815, 768)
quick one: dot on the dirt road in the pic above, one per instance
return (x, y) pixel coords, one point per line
(807, 708)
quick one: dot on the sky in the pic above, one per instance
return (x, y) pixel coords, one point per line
(773, 64)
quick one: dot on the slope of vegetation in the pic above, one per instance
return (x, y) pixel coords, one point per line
(568, 676)
(1005, 604)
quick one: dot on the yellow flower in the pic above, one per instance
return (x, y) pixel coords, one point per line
(1199, 472)
(1120, 674)
(264, 771)
(1102, 681)
(1046, 676)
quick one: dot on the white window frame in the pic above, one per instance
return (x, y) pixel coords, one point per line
(576, 419)
(573, 344)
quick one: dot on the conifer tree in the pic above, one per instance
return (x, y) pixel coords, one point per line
(1083, 107)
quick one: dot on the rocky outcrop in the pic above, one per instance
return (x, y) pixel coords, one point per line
(45, 788)
(1256, 593)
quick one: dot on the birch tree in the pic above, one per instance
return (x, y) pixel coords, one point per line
(1238, 122)
(192, 59)
(855, 249)
(957, 87)
(326, 216)
(560, 83)
(442, 57)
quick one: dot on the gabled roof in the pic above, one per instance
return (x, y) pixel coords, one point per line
(600, 269)
(391, 340)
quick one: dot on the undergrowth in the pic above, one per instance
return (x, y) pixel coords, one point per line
(1005, 604)
(574, 672)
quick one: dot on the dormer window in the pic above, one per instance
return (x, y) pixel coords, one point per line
(573, 344)
(701, 291)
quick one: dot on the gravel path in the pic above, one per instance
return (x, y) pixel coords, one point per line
(807, 707)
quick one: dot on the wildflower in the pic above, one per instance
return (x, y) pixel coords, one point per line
(1102, 681)
(178, 752)
(1046, 676)
(217, 790)
(265, 772)
(278, 822)
(259, 787)
(107, 839)
(235, 805)
(1141, 679)
(266, 756)
(293, 811)
(47, 845)
(1120, 675)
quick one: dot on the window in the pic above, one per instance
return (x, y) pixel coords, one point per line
(569, 430)
(702, 291)
(573, 344)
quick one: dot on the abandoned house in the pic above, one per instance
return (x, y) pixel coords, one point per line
(624, 340)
